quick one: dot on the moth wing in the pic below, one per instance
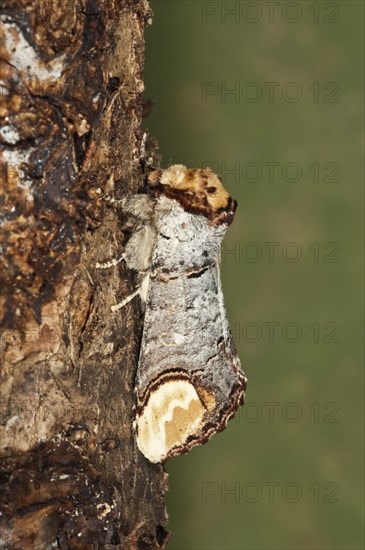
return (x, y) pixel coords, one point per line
(189, 380)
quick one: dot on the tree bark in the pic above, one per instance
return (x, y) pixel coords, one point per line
(71, 108)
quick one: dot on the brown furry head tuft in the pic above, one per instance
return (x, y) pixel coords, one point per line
(198, 190)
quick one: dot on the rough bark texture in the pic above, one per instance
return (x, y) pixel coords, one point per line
(71, 108)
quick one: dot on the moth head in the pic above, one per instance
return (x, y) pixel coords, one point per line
(198, 190)
(172, 414)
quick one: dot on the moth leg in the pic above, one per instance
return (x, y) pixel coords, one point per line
(139, 246)
(111, 263)
(126, 300)
(139, 206)
(141, 290)
(138, 250)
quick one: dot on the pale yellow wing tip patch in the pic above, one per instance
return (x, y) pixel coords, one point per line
(172, 414)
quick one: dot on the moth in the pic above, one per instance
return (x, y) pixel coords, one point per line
(189, 380)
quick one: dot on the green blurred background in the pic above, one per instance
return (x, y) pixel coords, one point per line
(288, 471)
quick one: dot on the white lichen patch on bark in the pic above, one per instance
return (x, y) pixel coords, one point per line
(9, 134)
(26, 59)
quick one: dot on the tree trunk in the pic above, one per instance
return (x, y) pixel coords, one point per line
(71, 108)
